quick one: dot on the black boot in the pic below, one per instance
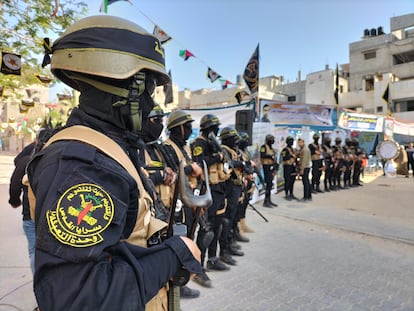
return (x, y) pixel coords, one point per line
(266, 202)
(239, 237)
(272, 204)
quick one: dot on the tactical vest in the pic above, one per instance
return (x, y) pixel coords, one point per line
(239, 172)
(164, 191)
(316, 156)
(216, 172)
(182, 156)
(270, 152)
(292, 160)
(339, 155)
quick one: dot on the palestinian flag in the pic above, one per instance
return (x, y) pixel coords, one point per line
(225, 83)
(186, 54)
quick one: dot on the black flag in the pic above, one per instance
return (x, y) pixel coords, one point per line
(168, 91)
(386, 98)
(336, 94)
(251, 72)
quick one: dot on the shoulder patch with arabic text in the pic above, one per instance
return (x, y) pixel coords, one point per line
(82, 213)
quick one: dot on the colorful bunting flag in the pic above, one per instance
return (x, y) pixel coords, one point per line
(161, 34)
(225, 83)
(168, 91)
(241, 95)
(186, 54)
(64, 96)
(105, 3)
(251, 72)
(44, 79)
(212, 75)
(11, 64)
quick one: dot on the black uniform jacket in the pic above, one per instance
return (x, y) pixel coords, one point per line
(86, 204)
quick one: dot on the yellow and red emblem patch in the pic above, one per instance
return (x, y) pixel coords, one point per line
(82, 213)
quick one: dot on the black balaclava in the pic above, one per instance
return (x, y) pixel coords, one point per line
(289, 142)
(214, 129)
(271, 142)
(103, 105)
(230, 142)
(181, 133)
(151, 129)
(242, 144)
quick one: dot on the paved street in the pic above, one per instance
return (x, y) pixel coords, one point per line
(346, 250)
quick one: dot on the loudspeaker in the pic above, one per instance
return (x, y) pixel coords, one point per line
(244, 122)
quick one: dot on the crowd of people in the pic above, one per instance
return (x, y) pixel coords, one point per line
(322, 167)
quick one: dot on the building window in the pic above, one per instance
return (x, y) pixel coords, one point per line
(402, 58)
(370, 55)
(369, 84)
(379, 109)
(404, 106)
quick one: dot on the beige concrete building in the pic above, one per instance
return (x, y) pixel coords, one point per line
(376, 61)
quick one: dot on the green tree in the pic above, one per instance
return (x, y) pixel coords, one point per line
(24, 24)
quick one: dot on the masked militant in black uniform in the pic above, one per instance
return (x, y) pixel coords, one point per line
(358, 155)
(91, 210)
(339, 163)
(348, 162)
(205, 148)
(248, 181)
(328, 163)
(230, 139)
(268, 159)
(317, 163)
(289, 157)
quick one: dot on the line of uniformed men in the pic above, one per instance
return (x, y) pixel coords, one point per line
(230, 176)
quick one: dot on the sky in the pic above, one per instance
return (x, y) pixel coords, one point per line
(293, 35)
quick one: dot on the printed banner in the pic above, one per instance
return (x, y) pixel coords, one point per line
(284, 113)
(360, 122)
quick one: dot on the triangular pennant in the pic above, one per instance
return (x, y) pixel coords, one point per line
(241, 95)
(44, 79)
(212, 75)
(186, 54)
(161, 34)
(225, 83)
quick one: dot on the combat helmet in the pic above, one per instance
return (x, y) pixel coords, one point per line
(156, 112)
(229, 132)
(117, 58)
(269, 138)
(209, 120)
(108, 47)
(178, 117)
(244, 137)
(289, 140)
